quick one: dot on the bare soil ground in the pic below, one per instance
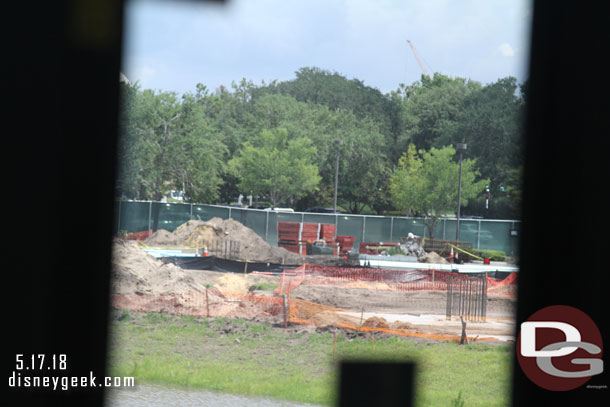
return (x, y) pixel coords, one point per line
(137, 273)
(252, 247)
(387, 301)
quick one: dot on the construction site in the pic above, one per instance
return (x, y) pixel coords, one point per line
(315, 278)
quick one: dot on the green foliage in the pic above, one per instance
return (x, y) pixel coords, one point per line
(277, 167)
(433, 108)
(427, 183)
(494, 255)
(184, 142)
(458, 401)
(265, 286)
(168, 144)
(280, 363)
(395, 251)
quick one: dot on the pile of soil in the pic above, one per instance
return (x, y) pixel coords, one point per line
(197, 233)
(134, 271)
(376, 322)
(432, 257)
(161, 237)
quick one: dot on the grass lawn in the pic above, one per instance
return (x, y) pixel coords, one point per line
(296, 363)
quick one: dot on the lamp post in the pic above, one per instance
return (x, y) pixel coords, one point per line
(337, 144)
(461, 148)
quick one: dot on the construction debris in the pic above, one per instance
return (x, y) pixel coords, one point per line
(411, 246)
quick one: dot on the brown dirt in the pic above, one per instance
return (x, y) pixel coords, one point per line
(503, 290)
(134, 271)
(252, 247)
(147, 284)
(376, 322)
(161, 237)
(420, 302)
(432, 257)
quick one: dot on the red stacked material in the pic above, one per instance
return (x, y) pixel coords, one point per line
(138, 235)
(375, 247)
(310, 232)
(289, 236)
(295, 236)
(346, 243)
(327, 232)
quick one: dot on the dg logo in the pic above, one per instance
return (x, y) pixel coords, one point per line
(560, 348)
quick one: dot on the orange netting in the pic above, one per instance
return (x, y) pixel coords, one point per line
(398, 280)
(394, 288)
(503, 288)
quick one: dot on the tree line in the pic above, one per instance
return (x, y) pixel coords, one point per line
(278, 142)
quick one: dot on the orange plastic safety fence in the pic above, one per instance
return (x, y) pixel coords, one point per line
(307, 313)
(503, 288)
(398, 280)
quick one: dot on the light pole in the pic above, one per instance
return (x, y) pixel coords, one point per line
(337, 144)
(461, 148)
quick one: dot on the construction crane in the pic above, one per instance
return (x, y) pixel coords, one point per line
(419, 59)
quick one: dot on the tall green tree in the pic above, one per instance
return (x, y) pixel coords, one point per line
(362, 169)
(432, 110)
(276, 167)
(128, 157)
(427, 183)
(316, 86)
(169, 144)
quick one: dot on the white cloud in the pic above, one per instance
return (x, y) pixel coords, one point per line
(506, 50)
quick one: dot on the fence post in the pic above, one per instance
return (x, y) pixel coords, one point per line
(479, 236)
(392, 229)
(150, 215)
(363, 227)
(284, 308)
(267, 228)
(484, 299)
(449, 297)
(207, 303)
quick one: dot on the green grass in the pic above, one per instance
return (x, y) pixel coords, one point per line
(265, 286)
(493, 255)
(246, 357)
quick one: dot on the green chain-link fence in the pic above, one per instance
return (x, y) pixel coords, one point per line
(136, 216)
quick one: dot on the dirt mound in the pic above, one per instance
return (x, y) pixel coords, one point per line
(376, 322)
(252, 247)
(402, 325)
(233, 283)
(203, 235)
(317, 314)
(161, 237)
(432, 257)
(134, 271)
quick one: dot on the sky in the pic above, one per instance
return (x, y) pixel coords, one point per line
(173, 45)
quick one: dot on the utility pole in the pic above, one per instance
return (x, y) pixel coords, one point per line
(461, 148)
(337, 144)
